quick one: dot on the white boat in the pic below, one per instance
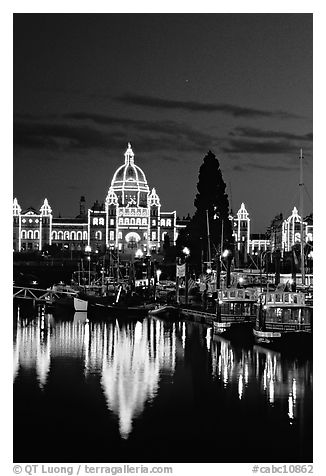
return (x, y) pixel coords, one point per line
(80, 304)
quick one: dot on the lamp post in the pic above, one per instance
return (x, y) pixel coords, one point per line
(88, 250)
(186, 252)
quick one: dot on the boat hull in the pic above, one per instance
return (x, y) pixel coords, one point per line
(165, 312)
(80, 304)
(70, 304)
(100, 311)
(299, 342)
(240, 331)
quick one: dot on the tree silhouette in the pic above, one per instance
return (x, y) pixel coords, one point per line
(212, 201)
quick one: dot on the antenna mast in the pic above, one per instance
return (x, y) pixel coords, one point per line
(302, 238)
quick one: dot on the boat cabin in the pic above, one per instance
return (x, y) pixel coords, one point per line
(283, 312)
(282, 299)
(237, 305)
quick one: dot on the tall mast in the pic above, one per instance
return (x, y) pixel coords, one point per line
(208, 238)
(302, 238)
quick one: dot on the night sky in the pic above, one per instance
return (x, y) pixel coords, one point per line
(175, 86)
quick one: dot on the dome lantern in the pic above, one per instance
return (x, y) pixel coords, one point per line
(129, 155)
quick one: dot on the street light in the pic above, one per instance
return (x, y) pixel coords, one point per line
(158, 274)
(88, 250)
(186, 252)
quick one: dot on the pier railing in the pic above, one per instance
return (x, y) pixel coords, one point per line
(40, 295)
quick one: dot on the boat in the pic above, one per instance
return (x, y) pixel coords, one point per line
(165, 311)
(71, 304)
(70, 299)
(112, 311)
(283, 318)
(235, 310)
(125, 304)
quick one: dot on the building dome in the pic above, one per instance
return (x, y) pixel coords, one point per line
(129, 182)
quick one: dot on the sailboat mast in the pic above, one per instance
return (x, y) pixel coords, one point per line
(208, 238)
(302, 238)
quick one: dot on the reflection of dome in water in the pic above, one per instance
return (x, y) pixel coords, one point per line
(129, 182)
(131, 371)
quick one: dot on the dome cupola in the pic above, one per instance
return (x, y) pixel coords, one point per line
(129, 182)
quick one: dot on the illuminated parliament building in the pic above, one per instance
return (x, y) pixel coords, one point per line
(130, 218)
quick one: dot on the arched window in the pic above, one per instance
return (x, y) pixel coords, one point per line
(23, 234)
(73, 235)
(168, 222)
(54, 235)
(120, 221)
(98, 235)
(66, 235)
(79, 235)
(132, 221)
(95, 221)
(85, 235)
(60, 235)
(101, 221)
(111, 235)
(120, 235)
(162, 221)
(36, 235)
(30, 234)
(144, 221)
(138, 221)
(127, 221)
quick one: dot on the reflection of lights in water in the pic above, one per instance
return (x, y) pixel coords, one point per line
(32, 349)
(291, 405)
(183, 334)
(131, 368)
(265, 380)
(271, 391)
(240, 386)
(246, 373)
(294, 389)
(219, 365)
(43, 359)
(80, 317)
(208, 338)
(292, 400)
(138, 332)
(16, 351)
(86, 346)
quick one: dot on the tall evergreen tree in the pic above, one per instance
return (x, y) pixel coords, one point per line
(211, 202)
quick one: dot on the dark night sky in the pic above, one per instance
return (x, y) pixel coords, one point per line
(173, 85)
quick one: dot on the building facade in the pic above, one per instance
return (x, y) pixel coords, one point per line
(283, 233)
(129, 219)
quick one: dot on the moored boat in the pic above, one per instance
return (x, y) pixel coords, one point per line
(283, 318)
(235, 310)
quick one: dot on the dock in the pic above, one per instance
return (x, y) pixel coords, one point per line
(38, 295)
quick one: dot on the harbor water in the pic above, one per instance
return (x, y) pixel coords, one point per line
(148, 390)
